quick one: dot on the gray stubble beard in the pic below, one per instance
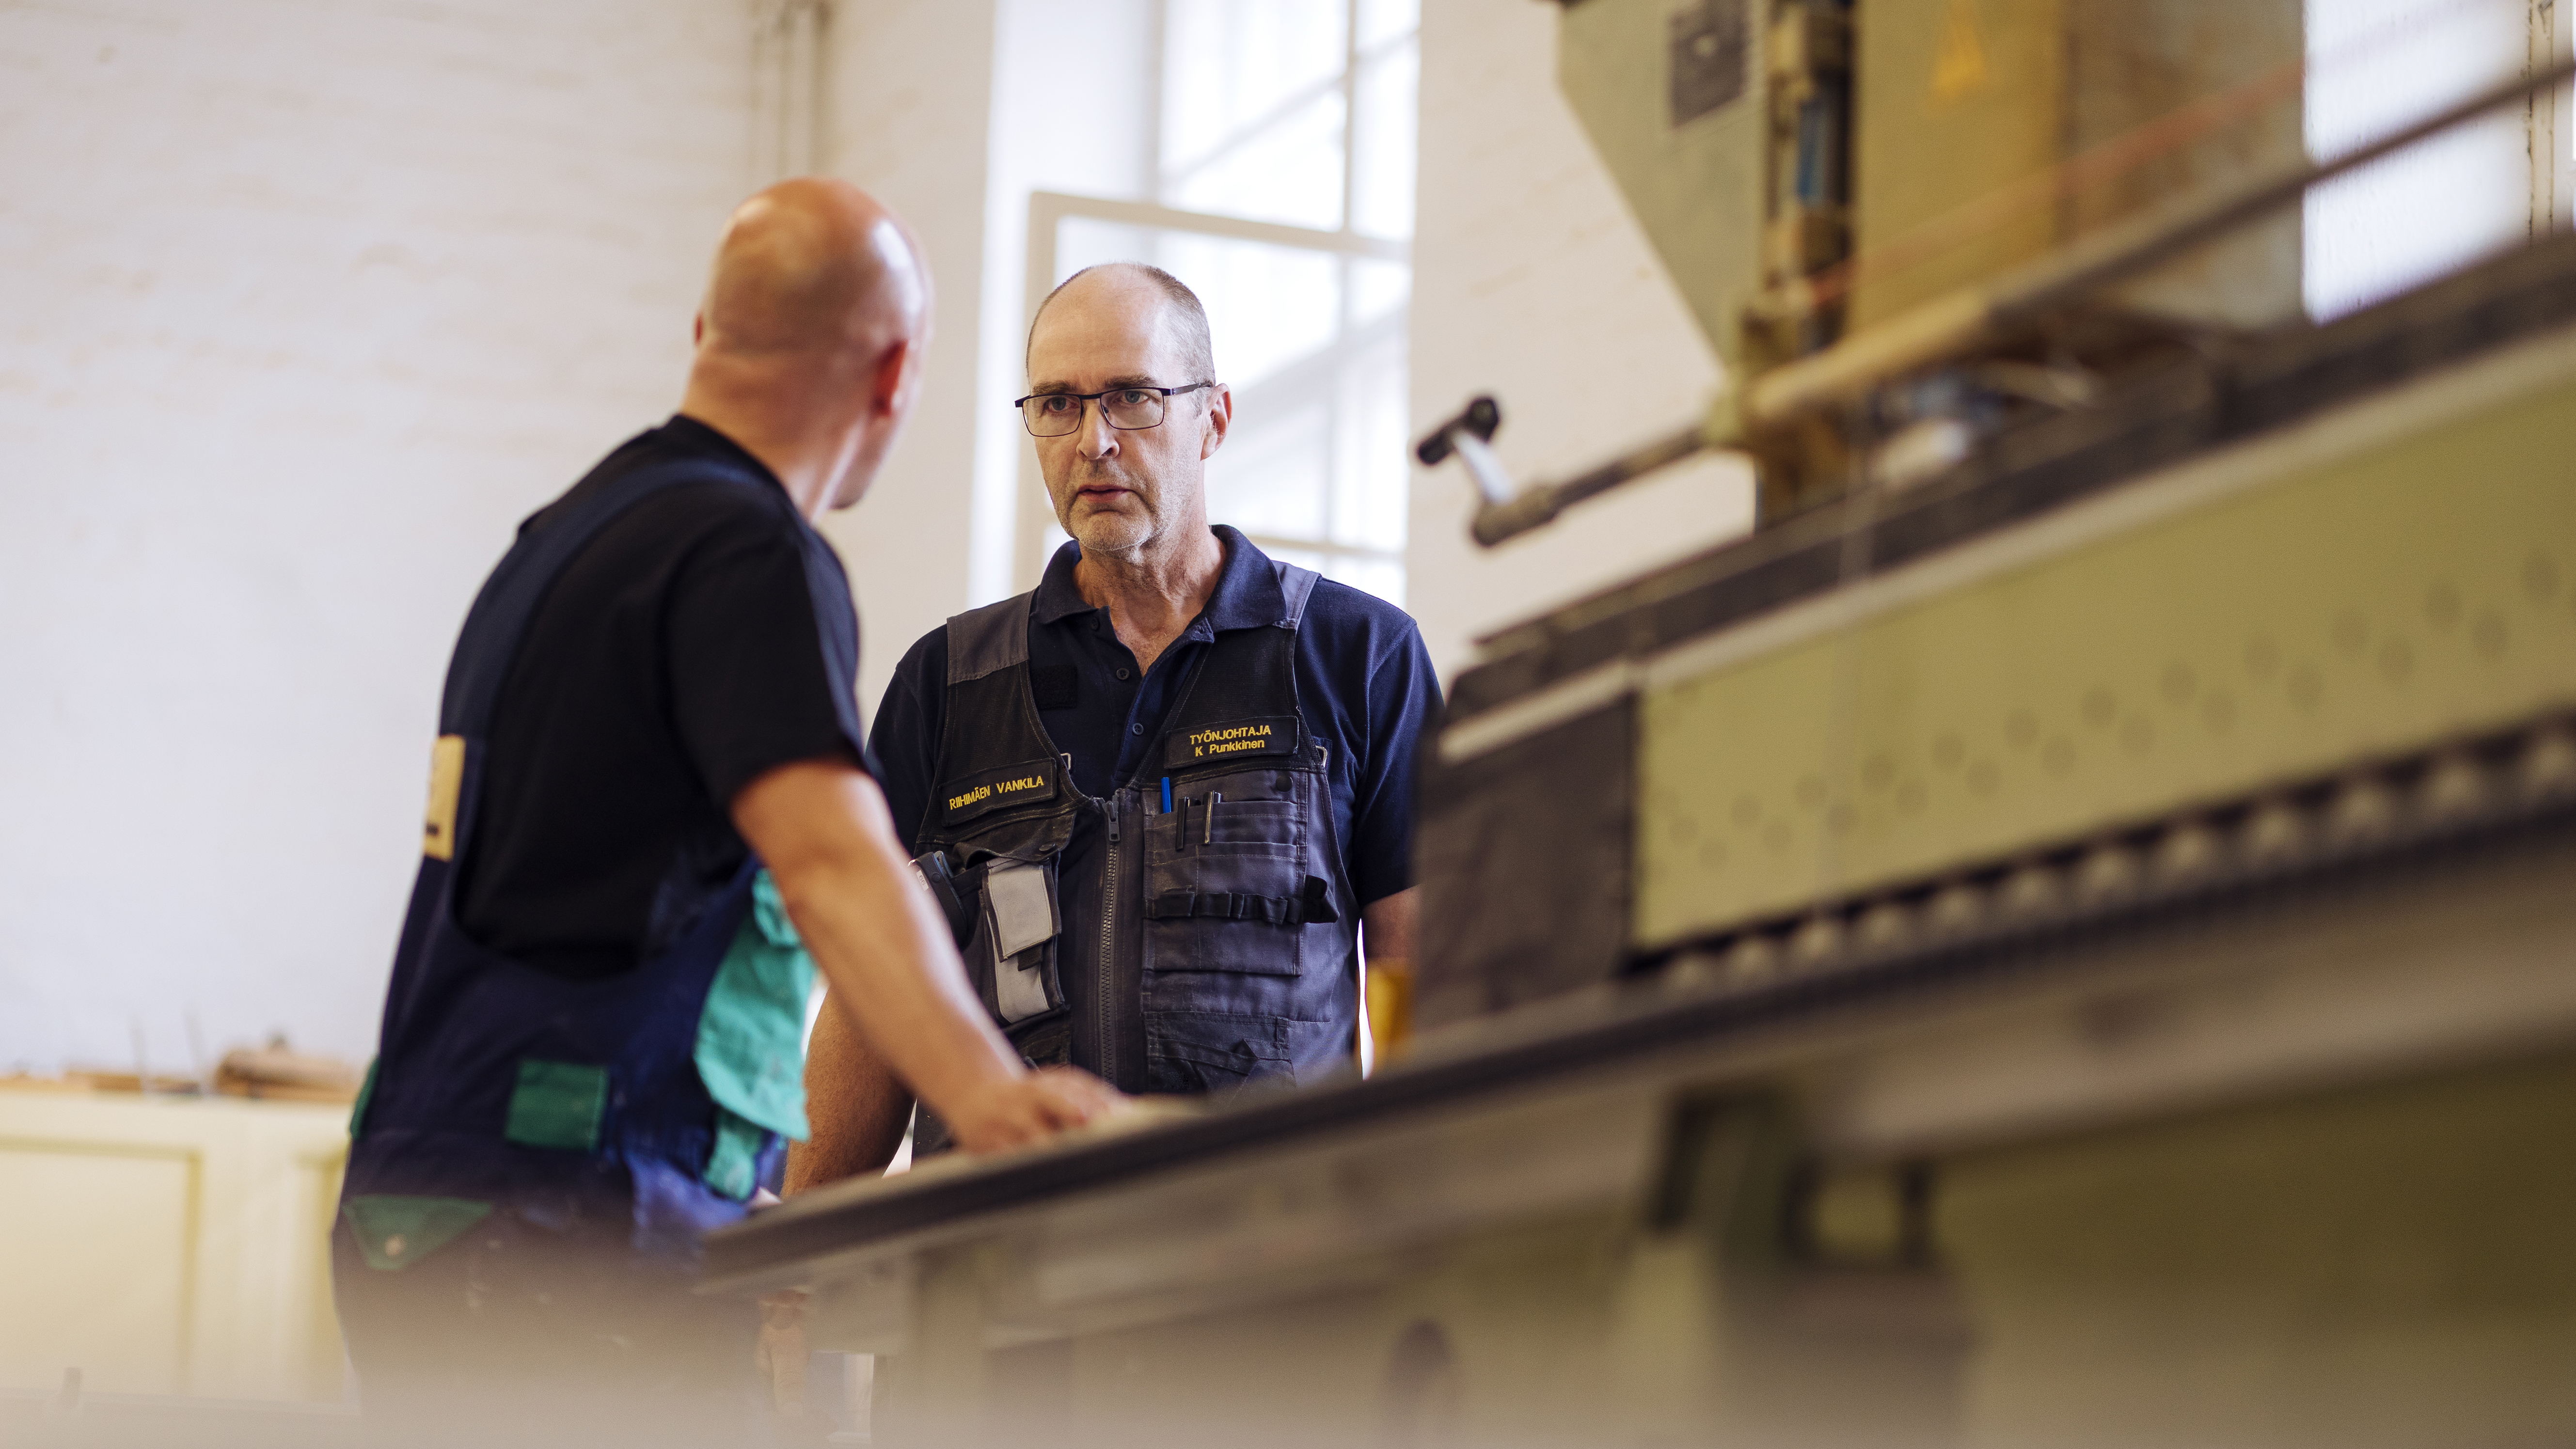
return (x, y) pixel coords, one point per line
(1153, 520)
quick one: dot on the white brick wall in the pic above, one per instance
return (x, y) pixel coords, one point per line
(303, 303)
(1532, 281)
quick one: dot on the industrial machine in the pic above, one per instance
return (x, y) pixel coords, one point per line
(2064, 935)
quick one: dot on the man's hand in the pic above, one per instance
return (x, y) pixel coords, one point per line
(822, 829)
(1031, 1108)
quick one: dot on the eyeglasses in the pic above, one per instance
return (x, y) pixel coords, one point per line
(1131, 409)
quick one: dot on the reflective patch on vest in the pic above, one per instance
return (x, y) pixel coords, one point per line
(446, 780)
(557, 1104)
(968, 796)
(1276, 735)
(1020, 900)
(1023, 902)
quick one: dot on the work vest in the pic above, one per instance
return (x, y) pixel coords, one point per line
(646, 1105)
(1219, 871)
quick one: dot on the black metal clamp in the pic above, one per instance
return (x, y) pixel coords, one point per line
(1466, 435)
(1507, 511)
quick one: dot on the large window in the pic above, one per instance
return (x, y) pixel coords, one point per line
(1280, 172)
(2375, 66)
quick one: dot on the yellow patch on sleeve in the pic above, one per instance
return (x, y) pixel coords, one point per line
(446, 778)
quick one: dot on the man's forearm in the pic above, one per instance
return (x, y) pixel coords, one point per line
(857, 1106)
(1387, 925)
(825, 836)
(894, 976)
(821, 827)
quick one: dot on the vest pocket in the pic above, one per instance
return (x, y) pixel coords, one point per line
(1012, 952)
(1219, 821)
(1211, 1051)
(393, 1233)
(557, 1105)
(1226, 887)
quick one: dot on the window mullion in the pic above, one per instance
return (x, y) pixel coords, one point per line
(1350, 109)
(1157, 104)
(1328, 389)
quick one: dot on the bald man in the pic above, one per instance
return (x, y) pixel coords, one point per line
(651, 819)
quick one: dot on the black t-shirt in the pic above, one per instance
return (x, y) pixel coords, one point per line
(705, 637)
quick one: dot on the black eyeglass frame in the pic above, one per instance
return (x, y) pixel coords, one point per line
(1022, 404)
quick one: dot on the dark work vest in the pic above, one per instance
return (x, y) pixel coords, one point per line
(642, 1107)
(1226, 951)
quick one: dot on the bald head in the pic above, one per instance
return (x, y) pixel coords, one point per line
(813, 267)
(810, 340)
(1139, 289)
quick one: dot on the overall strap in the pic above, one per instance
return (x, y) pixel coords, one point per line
(1000, 781)
(1296, 585)
(990, 639)
(494, 626)
(1247, 679)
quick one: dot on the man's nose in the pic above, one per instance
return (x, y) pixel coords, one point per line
(1098, 439)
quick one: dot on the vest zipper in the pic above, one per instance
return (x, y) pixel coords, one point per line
(1103, 1006)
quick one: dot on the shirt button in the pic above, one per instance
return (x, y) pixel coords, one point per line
(1122, 674)
(1135, 729)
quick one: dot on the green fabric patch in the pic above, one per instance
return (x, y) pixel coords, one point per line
(751, 1036)
(557, 1104)
(366, 1089)
(734, 1168)
(396, 1232)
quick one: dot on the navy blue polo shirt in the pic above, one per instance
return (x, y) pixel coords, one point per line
(1364, 685)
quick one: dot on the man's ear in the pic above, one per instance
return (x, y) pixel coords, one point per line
(1220, 416)
(698, 331)
(889, 391)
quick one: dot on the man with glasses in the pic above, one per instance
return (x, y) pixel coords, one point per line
(1166, 796)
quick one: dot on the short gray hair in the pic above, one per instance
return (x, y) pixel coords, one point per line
(1196, 349)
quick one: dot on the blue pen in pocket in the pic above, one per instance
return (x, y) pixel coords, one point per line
(1167, 794)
